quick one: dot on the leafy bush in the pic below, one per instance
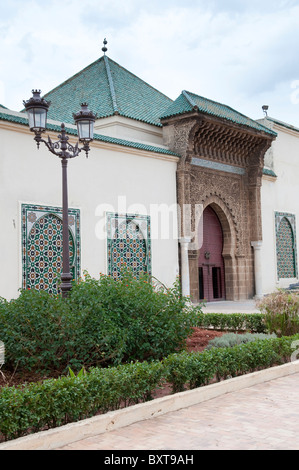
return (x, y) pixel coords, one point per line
(56, 402)
(190, 370)
(281, 312)
(103, 322)
(35, 329)
(136, 320)
(232, 339)
(253, 322)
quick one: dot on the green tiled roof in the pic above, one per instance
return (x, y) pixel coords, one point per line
(21, 118)
(1, 106)
(283, 124)
(108, 89)
(268, 172)
(189, 102)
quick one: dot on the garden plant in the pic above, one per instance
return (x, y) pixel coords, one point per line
(281, 312)
(115, 343)
(102, 323)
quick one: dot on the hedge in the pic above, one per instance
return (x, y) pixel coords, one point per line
(189, 370)
(254, 322)
(55, 402)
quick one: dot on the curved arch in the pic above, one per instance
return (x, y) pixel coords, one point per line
(286, 258)
(229, 248)
(129, 249)
(45, 253)
(287, 218)
(229, 229)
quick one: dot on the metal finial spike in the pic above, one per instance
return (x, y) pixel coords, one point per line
(104, 49)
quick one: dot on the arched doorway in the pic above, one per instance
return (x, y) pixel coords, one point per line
(210, 262)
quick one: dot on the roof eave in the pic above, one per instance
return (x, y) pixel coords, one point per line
(195, 112)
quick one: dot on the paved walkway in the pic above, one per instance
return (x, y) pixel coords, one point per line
(261, 417)
(226, 306)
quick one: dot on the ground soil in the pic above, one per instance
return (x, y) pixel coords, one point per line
(200, 338)
(196, 342)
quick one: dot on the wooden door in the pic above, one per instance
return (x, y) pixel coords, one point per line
(210, 263)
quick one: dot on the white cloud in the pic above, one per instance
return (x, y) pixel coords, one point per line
(240, 53)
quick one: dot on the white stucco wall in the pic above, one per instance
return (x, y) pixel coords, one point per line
(32, 176)
(129, 129)
(280, 195)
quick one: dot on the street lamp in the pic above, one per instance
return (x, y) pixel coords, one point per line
(37, 108)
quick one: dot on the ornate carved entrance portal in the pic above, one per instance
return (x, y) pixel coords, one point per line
(210, 263)
(221, 167)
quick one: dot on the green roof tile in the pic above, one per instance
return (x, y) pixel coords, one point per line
(268, 172)
(22, 119)
(108, 89)
(189, 102)
(13, 118)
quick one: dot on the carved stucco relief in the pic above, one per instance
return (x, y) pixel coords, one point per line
(228, 190)
(181, 133)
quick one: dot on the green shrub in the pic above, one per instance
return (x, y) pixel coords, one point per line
(137, 321)
(52, 403)
(103, 322)
(35, 329)
(56, 402)
(232, 339)
(281, 312)
(253, 322)
(189, 370)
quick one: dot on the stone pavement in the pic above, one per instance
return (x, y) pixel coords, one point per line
(260, 417)
(226, 306)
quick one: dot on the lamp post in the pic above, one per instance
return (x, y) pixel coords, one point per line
(37, 108)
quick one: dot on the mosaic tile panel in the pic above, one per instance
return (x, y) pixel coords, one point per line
(286, 245)
(217, 166)
(128, 244)
(42, 246)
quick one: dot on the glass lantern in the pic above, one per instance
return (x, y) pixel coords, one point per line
(85, 120)
(37, 109)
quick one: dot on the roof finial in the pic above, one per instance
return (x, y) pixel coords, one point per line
(104, 49)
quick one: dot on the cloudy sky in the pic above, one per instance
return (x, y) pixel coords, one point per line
(243, 53)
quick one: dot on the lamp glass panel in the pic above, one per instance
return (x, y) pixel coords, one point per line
(37, 118)
(85, 130)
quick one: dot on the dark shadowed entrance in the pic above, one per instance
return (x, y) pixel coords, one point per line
(211, 263)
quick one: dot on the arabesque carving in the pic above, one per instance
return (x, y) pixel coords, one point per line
(235, 191)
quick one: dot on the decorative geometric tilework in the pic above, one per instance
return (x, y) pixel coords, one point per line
(286, 245)
(217, 166)
(42, 246)
(129, 244)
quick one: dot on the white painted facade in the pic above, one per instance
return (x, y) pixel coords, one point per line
(130, 129)
(116, 178)
(121, 177)
(279, 194)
